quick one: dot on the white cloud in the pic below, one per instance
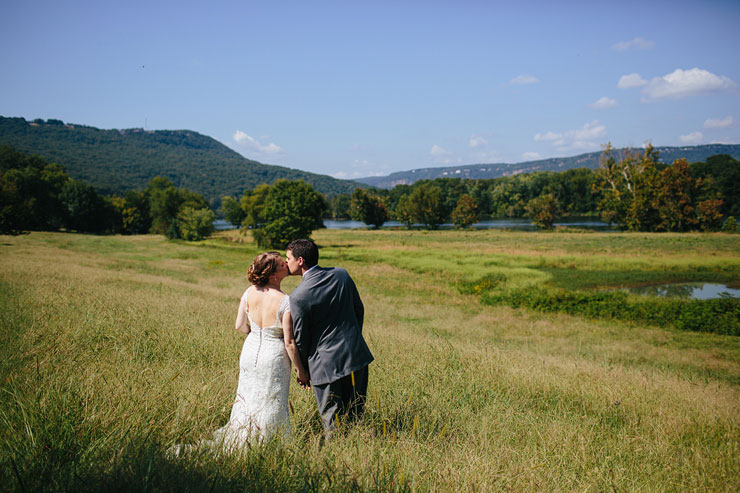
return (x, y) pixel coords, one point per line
(603, 103)
(631, 80)
(523, 79)
(547, 136)
(585, 137)
(245, 140)
(692, 138)
(684, 83)
(477, 141)
(719, 122)
(439, 151)
(636, 43)
(531, 156)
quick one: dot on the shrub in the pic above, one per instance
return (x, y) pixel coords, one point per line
(466, 211)
(720, 316)
(543, 210)
(195, 224)
(368, 208)
(730, 225)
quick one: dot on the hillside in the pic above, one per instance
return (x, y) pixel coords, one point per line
(115, 161)
(591, 160)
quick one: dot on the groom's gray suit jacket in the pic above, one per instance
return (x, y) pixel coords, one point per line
(327, 324)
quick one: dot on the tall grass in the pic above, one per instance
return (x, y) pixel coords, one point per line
(115, 348)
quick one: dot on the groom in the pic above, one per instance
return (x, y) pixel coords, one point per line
(327, 324)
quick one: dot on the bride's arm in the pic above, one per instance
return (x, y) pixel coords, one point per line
(291, 348)
(242, 323)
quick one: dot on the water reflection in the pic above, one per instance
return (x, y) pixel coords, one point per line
(515, 223)
(694, 291)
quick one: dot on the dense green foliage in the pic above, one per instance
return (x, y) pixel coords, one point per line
(283, 212)
(340, 206)
(36, 195)
(642, 194)
(543, 210)
(678, 197)
(368, 208)
(115, 161)
(466, 212)
(719, 316)
(730, 225)
(195, 224)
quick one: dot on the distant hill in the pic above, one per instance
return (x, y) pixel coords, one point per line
(115, 161)
(692, 154)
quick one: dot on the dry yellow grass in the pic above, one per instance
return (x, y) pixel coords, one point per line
(463, 396)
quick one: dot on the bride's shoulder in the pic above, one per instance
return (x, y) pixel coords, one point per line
(246, 293)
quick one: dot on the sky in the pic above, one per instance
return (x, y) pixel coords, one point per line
(366, 88)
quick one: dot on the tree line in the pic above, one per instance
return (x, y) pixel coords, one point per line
(632, 191)
(36, 195)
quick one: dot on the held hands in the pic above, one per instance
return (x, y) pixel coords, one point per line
(304, 380)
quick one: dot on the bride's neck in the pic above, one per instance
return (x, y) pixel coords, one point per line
(273, 285)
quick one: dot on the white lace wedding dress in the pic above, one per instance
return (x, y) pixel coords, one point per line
(261, 406)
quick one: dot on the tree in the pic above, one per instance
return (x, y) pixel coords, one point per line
(253, 205)
(730, 225)
(233, 212)
(195, 224)
(479, 191)
(29, 192)
(720, 177)
(85, 209)
(543, 210)
(425, 205)
(619, 181)
(135, 213)
(403, 211)
(368, 208)
(164, 204)
(709, 214)
(466, 212)
(292, 210)
(340, 206)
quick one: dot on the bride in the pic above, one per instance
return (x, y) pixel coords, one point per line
(261, 406)
(260, 409)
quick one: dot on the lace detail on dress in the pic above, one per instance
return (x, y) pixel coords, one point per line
(261, 405)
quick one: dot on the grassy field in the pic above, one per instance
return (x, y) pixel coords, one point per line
(114, 348)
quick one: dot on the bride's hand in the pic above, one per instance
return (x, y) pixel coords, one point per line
(303, 379)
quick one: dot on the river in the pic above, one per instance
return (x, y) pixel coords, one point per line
(584, 222)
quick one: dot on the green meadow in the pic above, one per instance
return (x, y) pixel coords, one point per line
(114, 348)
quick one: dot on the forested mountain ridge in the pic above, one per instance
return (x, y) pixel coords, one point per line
(115, 161)
(590, 160)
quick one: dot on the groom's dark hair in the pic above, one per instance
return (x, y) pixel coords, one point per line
(305, 248)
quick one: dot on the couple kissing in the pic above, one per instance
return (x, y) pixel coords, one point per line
(317, 330)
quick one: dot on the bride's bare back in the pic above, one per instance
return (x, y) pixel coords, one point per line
(263, 305)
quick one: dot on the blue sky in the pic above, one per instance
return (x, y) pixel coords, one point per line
(354, 89)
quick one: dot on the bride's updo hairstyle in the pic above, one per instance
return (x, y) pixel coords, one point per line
(264, 265)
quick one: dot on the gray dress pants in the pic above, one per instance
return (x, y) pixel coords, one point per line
(341, 401)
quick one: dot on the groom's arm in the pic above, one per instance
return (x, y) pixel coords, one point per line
(300, 330)
(359, 308)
